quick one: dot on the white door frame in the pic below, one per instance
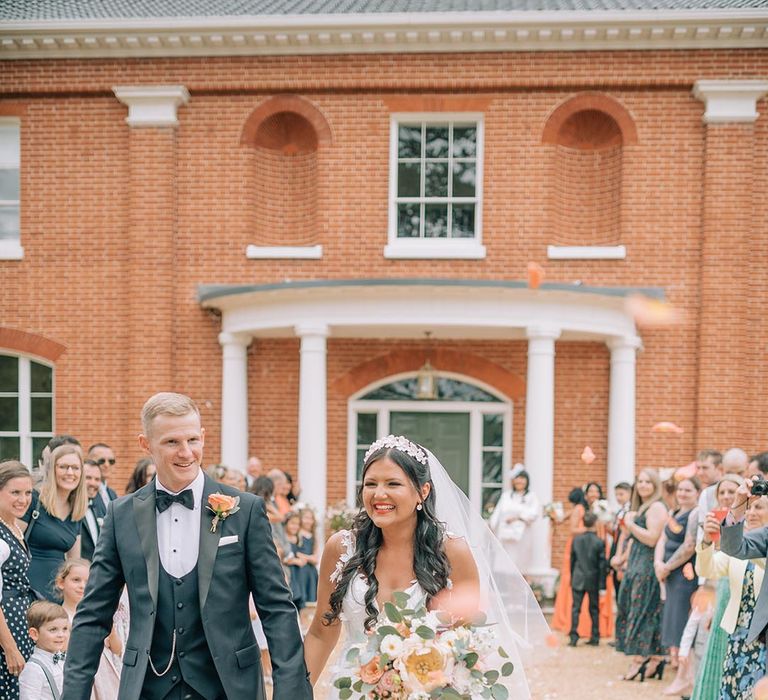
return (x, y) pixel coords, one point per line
(475, 409)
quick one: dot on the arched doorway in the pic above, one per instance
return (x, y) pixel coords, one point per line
(468, 426)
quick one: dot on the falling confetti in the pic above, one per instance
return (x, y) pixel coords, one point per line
(552, 641)
(587, 456)
(686, 472)
(649, 312)
(535, 275)
(667, 426)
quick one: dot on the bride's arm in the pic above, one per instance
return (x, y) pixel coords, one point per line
(322, 638)
(464, 594)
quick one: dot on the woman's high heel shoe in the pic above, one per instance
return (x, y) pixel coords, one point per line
(658, 671)
(640, 671)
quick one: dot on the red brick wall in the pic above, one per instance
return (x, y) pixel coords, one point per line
(94, 235)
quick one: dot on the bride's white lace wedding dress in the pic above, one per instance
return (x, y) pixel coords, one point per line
(353, 616)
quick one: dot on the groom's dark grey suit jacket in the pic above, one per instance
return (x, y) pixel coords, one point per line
(750, 545)
(127, 553)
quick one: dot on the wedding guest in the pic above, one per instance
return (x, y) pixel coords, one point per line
(217, 472)
(709, 471)
(94, 516)
(43, 676)
(16, 593)
(54, 517)
(265, 487)
(745, 655)
(735, 461)
(638, 630)
(253, 470)
(282, 489)
(45, 456)
(680, 582)
(236, 479)
(588, 571)
(308, 549)
(707, 683)
(758, 465)
(517, 509)
(622, 493)
(143, 473)
(562, 616)
(71, 580)
(294, 490)
(292, 558)
(104, 456)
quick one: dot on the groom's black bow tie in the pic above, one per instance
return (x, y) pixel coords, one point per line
(163, 500)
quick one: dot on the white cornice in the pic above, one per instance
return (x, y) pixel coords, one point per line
(152, 105)
(386, 33)
(730, 100)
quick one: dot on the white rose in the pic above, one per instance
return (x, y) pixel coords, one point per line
(391, 645)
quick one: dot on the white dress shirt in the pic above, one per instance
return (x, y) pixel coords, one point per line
(33, 685)
(178, 530)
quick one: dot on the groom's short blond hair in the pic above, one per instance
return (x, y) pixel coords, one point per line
(166, 403)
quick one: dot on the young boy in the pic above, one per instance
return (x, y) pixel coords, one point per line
(43, 675)
(588, 572)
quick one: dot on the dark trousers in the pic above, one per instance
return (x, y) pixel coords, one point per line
(182, 691)
(594, 611)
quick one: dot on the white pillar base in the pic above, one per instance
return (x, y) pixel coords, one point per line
(234, 400)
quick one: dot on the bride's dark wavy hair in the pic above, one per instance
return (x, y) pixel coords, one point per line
(430, 562)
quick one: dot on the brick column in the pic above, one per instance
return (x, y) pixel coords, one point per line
(727, 236)
(152, 219)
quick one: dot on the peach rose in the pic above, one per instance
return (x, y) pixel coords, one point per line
(371, 672)
(388, 682)
(219, 502)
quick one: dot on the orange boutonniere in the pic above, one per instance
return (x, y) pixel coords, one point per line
(222, 507)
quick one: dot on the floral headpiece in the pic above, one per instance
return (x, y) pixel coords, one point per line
(398, 442)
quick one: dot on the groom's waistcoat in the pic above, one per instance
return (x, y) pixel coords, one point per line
(178, 608)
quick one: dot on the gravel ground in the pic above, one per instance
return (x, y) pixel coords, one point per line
(580, 673)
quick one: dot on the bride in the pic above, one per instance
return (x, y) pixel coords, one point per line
(417, 533)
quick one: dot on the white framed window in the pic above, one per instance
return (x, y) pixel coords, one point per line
(10, 189)
(26, 408)
(435, 186)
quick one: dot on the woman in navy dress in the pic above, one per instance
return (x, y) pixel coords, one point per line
(15, 592)
(54, 517)
(308, 548)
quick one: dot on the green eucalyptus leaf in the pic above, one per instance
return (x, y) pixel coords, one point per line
(503, 654)
(425, 632)
(392, 613)
(471, 659)
(507, 669)
(385, 630)
(345, 694)
(353, 655)
(499, 692)
(401, 599)
(345, 682)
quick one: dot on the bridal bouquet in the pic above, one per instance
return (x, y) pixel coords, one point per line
(603, 511)
(421, 655)
(554, 511)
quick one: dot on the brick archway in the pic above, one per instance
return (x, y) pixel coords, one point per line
(31, 344)
(286, 103)
(590, 101)
(401, 361)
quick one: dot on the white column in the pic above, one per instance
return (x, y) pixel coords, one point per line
(234, 400)
(729, 101)
(621, 411)
(540, 436)
(313, 416)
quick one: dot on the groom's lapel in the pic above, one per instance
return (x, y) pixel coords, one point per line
(209, 542)
(146, 522)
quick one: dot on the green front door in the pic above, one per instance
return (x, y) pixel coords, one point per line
(445, 434)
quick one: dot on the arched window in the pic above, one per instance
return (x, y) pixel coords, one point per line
(26, 408)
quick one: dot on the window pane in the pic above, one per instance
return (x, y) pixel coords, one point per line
(9, 373)
(447, 390)
(9, 448)
(464, 141)
(38, 444)
(409, 180)
(463, 221)
(408, 220)
(409, 142)
(436, 180)
(9, 222)
(436, 221)
(493, 430)
(9, 413)
(42, 378)
(492, 467)
(10, 145)
(490, 499)
(42, 414)
(9, 183)
(359, 468)
(366, 428)
(463, 179)
(436, 144)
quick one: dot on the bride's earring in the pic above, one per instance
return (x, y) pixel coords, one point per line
(419, 507)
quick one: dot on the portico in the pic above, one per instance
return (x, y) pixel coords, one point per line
(450, 309)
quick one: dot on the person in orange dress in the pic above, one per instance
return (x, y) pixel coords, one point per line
(582, 500)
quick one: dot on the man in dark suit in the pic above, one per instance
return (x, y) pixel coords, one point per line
(588, 571)
(104, 456)
(191, 554)
(94, 516)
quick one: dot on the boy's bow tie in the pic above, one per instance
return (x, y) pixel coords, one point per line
(59, 656)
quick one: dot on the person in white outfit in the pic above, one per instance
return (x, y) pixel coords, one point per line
(516, 510)
(43, 675)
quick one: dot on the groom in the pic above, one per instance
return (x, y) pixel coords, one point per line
(189, 575)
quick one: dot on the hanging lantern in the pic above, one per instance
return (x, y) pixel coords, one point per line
(426, 382)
